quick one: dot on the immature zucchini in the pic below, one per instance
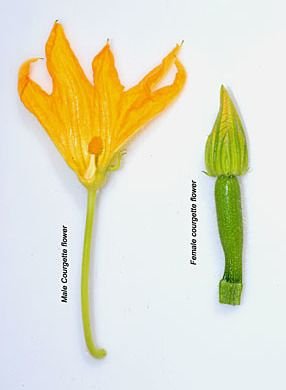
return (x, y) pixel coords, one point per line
(229, 218)
(226, 157)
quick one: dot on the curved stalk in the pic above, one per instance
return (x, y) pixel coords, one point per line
(98, 353)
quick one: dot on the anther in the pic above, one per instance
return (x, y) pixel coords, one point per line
(95, 146)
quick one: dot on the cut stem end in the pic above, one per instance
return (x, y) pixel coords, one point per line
(230, 293)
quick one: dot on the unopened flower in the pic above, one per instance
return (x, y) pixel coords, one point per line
(226, 148)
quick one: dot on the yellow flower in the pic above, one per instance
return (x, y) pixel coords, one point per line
(89, 124)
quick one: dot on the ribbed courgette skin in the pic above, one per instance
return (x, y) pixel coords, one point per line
(230, 224)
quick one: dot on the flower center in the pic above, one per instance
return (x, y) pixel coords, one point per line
(95, 146)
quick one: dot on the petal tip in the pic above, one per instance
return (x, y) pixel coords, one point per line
(223, 89)
(23, 74)
(106, 47)
(57, 24)
(224, 95)
(56, 32)
(105, 51)
(57, 27)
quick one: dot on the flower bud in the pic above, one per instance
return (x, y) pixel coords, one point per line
(226, 148)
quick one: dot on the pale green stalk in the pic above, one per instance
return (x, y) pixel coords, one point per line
(85, 304)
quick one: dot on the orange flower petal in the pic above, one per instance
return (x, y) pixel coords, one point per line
(134, 95)
(40, 104)
(148, 103)
(72, 95)
(108, 91)
(155, 75)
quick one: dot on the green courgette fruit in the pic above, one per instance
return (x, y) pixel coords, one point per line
(229, 217)
(226, 157)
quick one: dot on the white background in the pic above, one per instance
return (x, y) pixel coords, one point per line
(157, 316)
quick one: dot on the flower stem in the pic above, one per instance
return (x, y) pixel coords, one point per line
(98, 353)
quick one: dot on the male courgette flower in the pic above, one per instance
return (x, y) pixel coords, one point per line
(91, 123)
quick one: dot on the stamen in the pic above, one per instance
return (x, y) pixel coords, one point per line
(91, 169)
(95, 146)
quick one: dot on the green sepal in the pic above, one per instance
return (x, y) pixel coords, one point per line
(226, 148)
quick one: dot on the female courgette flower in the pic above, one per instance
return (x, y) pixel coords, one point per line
(90, 124)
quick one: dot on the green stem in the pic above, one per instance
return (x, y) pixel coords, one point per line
(93, 349)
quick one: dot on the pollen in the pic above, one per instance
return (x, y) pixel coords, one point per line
(95, 146)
